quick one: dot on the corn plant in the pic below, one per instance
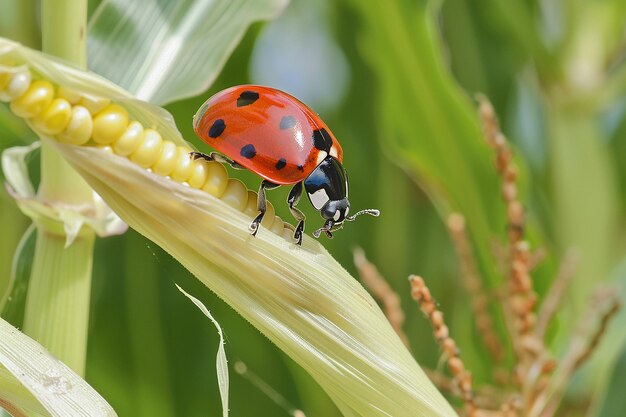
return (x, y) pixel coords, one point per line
(105, 213)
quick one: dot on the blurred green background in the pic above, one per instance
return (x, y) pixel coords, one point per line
(396, 83)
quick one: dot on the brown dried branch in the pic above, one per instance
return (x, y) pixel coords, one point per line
(487, 397)
(461, 376)
(11, 409)
(614, 307)
(604, 305)
(538, 256)
(381, 290)
(442, 382)
(473, 284)
(506, 168)
(512, 407)
(521, 297)
(554, 298)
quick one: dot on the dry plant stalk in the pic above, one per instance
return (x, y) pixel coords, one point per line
(554, 297)
(473, 284)
(380, 289)
(461, 376)
(614, 306)
(11, 409)
(521, 296)
(533, 361)
(603, 306)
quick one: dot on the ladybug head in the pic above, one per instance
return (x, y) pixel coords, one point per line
(327, 189)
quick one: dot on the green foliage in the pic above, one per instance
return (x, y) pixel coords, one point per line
(414, 149)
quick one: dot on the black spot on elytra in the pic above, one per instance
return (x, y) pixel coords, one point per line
(248, 151)
(322, 140)
(287, 122)
(217, 128)
(247, 97)
(282, 162)
(300, 167)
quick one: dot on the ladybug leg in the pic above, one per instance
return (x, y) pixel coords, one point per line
(261, 205)
(328, 229)
(292, 200)
(218, 157)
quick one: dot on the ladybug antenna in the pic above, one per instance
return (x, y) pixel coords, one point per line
(330, 226)
(371, 212)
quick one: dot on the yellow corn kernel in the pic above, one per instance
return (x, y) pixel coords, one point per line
(55, 118)
(130, 139)
(217, 179)
(107, 149)
(184, 165)
(5, 77)
(15, 85)
(150, 149)
(109, 124)
(80, 127)
(36, 98)
(287, 234)
(167, 160)
(94, 104)
(236, 194)
(270, 215)
(198, 175)
(250, 209)
(68, 94)
(277, 226)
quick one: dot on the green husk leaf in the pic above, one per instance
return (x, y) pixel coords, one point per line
(16, 171)
(13, 302)
(166, 51)
(98, 216)
(299, 297)
(221, 364)
(34, 381)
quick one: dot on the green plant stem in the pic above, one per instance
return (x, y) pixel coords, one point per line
(57, 305)
(63, 25)
(585, 202)
(17, 22)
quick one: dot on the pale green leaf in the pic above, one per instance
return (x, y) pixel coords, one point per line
(32, 380)
(15, 168)
(164, 51)
(221, 364)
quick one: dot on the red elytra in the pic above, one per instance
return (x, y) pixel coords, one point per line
(280, 139)
(267, 131)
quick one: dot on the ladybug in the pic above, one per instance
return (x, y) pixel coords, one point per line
(283, 141)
